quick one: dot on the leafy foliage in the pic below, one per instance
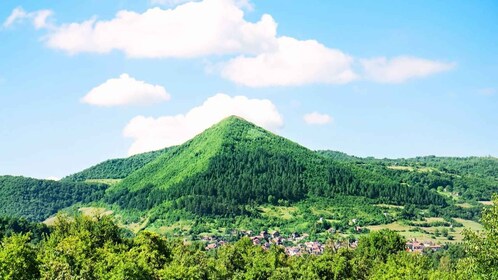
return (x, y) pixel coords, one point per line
(236, 164)
(11, 226)
(36, 199)
(470, 177)
(115, 168)
(94, 248)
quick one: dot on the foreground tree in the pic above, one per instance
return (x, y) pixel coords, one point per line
(18, 258)
(482, 247)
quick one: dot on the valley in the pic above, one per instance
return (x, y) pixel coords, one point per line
(239, 187)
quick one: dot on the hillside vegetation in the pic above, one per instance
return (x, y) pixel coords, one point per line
(236, 172)
(95, 248)
(115, 168)
(36, 199)
(471, 178)
(235, 165)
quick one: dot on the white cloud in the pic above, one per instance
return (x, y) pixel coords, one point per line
(293, 63)
(53, 178)
(317, 118)
(193, 29)
(125, 90)
(245, 4)
(39, 18)
(170, 3)
(401, 69)
(217, 27)
(151, 133)
(17, 14)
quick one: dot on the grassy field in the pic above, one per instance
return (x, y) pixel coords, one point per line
(470, 224)
(427, 233)
(396, 226)
(382, 205)
(110, 182)
(282, 212)
(429, 220)
(486, 202)
(465, 205)
(93, 211)
(180, 226)
(50, 221)
(411, 168)
(399, 167)
(448, 194)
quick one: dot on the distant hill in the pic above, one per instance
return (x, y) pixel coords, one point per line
(36, 200)
(473, 178)
(235, 164)
(115, 168)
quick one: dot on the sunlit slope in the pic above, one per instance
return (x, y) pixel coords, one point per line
(235, 164)
(114, 169)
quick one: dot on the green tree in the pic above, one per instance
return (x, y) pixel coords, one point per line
(378, 245)
(18, 258)
(403, 266)
(482, 248)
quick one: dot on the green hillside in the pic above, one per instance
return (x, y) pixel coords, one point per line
(115, 168)
(36, 200)
(235, 164)
(469, 178)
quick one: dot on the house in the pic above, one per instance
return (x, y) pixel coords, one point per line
(211, 246)
(255, 240)
(293, 251)
(264, 234)
(277, 240)
(418, 247)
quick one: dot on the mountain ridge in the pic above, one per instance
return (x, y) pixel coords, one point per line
(235, 163)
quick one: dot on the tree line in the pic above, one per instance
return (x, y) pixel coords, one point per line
(94, 248)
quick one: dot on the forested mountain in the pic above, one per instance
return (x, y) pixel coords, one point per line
(236, 164)
(115, 168)
(36, 200)
(474, 178)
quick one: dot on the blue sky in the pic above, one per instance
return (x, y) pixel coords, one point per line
(369, 78)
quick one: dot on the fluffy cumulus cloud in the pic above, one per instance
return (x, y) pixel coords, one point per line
(151, 133)
(260, 57)
(125, 90)
(401, 69)
(192, 29)
(316, 118)
(293, 62)
(38, 18)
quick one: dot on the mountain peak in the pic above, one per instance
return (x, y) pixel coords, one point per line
(234, 119)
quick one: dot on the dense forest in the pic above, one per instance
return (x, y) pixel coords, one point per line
(234, 167)
(115, 168)
(473, 178)
(235, 164)
(95, 248)
(37, 200)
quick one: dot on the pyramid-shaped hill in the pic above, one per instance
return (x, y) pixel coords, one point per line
(236, 163)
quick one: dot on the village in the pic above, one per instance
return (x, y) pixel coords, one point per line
(297, 244)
